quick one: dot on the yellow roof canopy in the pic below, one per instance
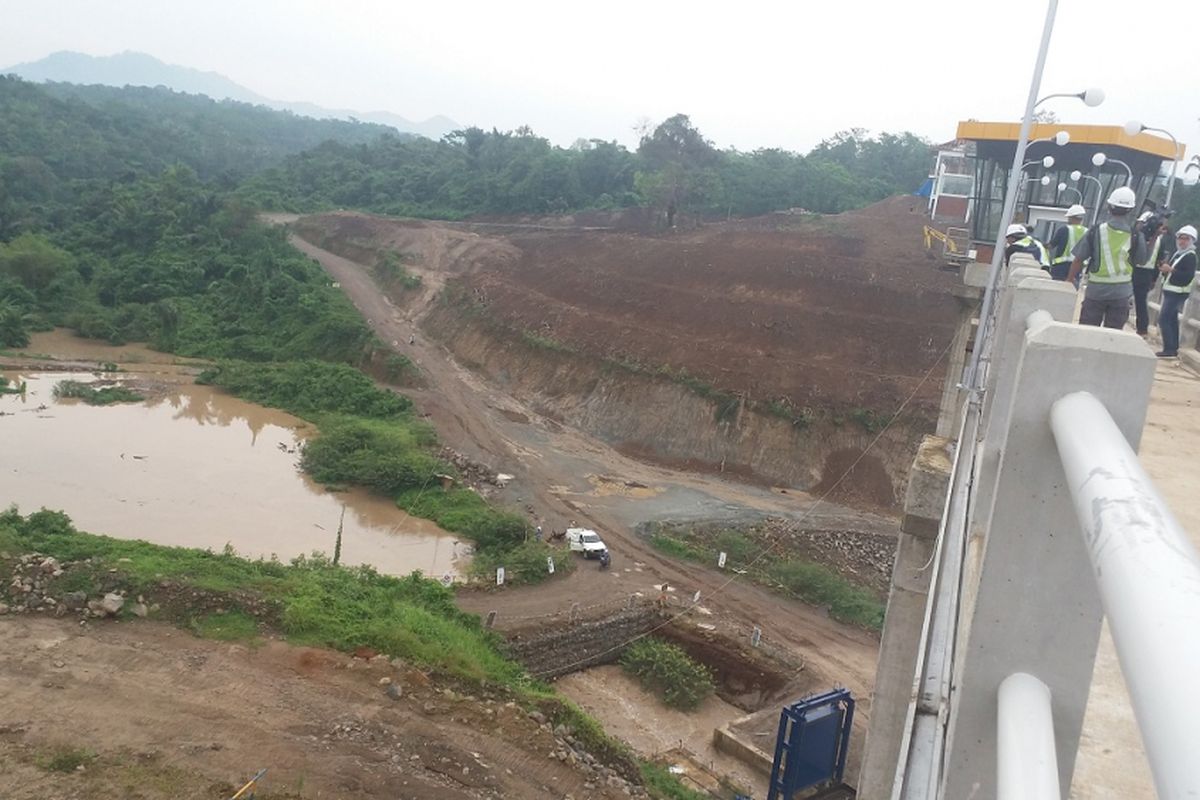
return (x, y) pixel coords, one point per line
(1080, 134)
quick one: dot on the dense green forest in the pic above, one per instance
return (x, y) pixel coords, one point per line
(674, 168)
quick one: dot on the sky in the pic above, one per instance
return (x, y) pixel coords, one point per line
(750, 74)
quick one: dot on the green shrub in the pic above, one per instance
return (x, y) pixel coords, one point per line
(231, 626)
(66, 759)
(819, 585)
(387, 457)
(96, 397)
(662, 785)
(669, 672)
(676, 547)
(525, 563)
(307, 387)
(463, 511)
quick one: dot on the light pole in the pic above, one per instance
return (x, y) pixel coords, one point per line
(1092, 97)
(1078, 176)
(1062, 187)
(1133, 128)
(1100, 160)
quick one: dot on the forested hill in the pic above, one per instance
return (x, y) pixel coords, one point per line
(73, 132)
(473, 171)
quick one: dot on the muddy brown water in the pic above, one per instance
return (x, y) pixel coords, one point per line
(197, 468)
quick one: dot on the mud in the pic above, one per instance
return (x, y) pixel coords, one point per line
(198, 468)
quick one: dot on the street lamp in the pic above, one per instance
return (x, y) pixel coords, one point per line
(1062, 187)
(1090, 97)
(1047, 162)
(1100, 160)
(1133, 128)
(1078, 176)
(1061, 138)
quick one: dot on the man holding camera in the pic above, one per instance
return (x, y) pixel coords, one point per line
(1154, 231)
(1113, 247)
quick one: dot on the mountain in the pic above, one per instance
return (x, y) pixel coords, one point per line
(140, 69)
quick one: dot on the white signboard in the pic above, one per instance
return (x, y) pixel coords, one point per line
(499, 576)
(721, 560)
(550, 564)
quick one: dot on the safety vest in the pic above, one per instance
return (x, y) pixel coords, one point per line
(1034, 248)
(1112, 262)
(1074, 234)
(1152, 261)
(1168, 286)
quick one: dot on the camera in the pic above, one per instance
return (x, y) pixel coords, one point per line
(1158, 217)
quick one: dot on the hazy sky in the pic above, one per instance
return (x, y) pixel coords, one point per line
(751, 74)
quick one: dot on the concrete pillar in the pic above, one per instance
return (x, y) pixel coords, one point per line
(923, 504)
(1030, 293)
(1036, 608)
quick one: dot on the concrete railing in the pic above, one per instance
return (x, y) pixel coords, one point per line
(1049, 524)
(1148, 574)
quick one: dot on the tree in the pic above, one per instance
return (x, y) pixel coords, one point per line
(33, 261)
(677, 156)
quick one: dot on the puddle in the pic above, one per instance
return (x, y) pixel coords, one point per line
(197, 468)
(629, 712)
(60, 343)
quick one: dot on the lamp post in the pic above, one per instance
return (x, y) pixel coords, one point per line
(1062, 187)
(972, 379)
(1100, 159)
(1078, 176)
(1133, 128)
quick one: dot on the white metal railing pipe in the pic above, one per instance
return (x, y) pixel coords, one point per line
(1148, 575)
(1026, 762)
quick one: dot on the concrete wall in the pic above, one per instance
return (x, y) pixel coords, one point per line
(566, 648)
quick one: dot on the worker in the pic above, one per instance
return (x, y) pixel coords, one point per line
(1146, 273)
(1019, 241)
(1064, 240)
(1179, 275)
(1111, 249)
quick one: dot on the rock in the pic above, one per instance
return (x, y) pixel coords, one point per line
(139, 609)
(3, 608)
(394, 691)
(108, 606)
(385, 681)
(538, 717)
(75, 600)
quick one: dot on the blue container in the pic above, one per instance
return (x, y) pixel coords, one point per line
(811, 746)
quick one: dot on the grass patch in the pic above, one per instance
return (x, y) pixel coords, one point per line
(545, 342)
(669, 672)
(525, 563)
(232, 626)
(797, 578)
(390, 272)
(386, 456)
(14, 389)
(66, 759)
(96, 397)
(662, 785)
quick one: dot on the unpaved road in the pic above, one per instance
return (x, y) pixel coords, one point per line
(552, 463)
(173, 716)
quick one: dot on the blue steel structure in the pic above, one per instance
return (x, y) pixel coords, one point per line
(810, 749)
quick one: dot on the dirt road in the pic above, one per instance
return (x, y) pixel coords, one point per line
(560, 476)
(168, 715)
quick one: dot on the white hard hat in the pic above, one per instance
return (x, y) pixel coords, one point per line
(1187, 230)
(1016, 229)
(1076, 211)
(1122, 197)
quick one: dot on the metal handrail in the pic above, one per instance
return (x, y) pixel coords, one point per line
(1026, 762)
(1148, 575)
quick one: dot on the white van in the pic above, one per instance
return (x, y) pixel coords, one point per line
(583, 540)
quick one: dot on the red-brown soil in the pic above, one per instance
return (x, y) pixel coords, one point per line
(837, 312)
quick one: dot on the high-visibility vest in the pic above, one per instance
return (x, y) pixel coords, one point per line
(1075, 233)
(1039, 249)
(1112, 262)
(1168, 286)
(1152, 261)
